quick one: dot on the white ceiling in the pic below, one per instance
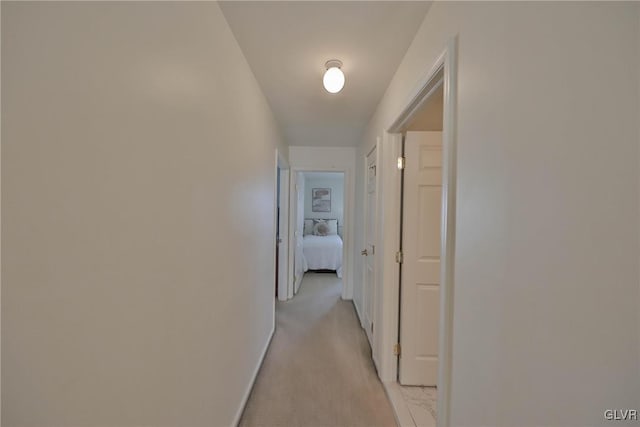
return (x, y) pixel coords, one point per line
(287, 43)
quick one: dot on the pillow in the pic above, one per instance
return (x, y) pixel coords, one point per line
(332, 226)
(321, 228)
(308, 227)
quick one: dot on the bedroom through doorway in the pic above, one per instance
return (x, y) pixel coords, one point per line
(319, 230)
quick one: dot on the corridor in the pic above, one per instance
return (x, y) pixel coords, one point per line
(318, 370)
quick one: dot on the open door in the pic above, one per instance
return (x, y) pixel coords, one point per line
(420, 290)
(282, 259)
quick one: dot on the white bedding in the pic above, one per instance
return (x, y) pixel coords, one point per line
(322, 253)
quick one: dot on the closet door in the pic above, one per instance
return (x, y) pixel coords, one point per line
(421, 242)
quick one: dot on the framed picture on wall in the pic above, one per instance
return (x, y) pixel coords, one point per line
(321, 200)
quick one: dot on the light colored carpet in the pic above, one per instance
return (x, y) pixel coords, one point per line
(318, 371)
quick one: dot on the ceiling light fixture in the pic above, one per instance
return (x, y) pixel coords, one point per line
(333, 79)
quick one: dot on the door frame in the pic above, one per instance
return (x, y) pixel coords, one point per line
(446, 64)
(347, 233)
(283, 264)
(282, 168)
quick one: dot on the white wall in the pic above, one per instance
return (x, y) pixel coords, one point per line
(336, 184)
(134, 192)
(546, 266)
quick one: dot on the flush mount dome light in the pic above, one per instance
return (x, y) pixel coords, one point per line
(333, 79)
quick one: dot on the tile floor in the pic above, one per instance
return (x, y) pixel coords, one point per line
(413, 406)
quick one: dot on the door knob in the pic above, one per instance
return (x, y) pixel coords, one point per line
(364, 252)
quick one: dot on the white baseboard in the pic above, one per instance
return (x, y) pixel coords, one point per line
(247, 393)
(297, 283)
(400, 410)
(360, 318)
(407, 413)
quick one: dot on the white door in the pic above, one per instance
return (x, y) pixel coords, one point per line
(283, 235)
(420, 290)
(369, 250)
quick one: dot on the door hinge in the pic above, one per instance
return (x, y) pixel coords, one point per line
(397, 350)
(372, 327)
(399, 257)
(401, 162)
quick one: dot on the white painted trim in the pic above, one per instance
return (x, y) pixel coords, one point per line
(293, 283)
(283, 164)
(400, 410)
(376, 311)
(365, 189)
(390, 244)
(360, 318)
(297, 284)
(274, 234)
(283, 285)
(447, 271)
(348, 233)
(254, 376)
(293, 210)
(447, 61)
(419, 96)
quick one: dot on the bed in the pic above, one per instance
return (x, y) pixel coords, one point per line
(322, 252)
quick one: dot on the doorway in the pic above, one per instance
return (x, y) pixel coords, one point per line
(418, 286)
(318, 200)
(420, 249)
(420, 242)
